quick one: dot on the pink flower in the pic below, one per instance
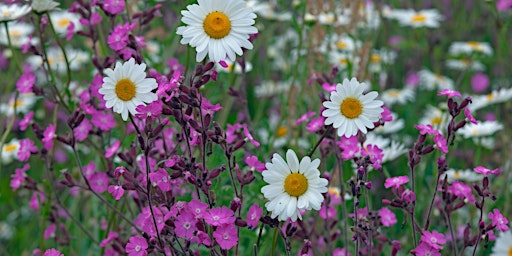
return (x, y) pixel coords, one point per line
(498, 220)
(161, 179)
(408, 196)
(327, 212)
(255, 164)
(110, 237)
(424, 249)
(340, 252)
(412, 79)
(449, 93)
(386, 115)
(197, 208)
(440, 143)
(26, 149)
(434, 239)
(99, 182)
(484, 171)
(462, 191)
(136, 246)
(396, 181)
(207, 106)
(37, 197)
(82, 131)
(116, 191)
(231, 132)
(469, 117)
(113, 6)
(387, 217)
(103, 120)
(18, 177)
(305, 117)
(52, 252)
(349, 147)
(249, 136)
(49, 232)
(26, 82)
(153, 109)
(145, 220)
(203, 238)
(112, 150)
(253, 216)
(426, 129)
(315, 124)
(89, 169)
(226, 236)
(118, 39)
(48, 136)
(185, 225)
(480, 82)
(219, 216)
(375, 154)
(70, 31)
(27, 120)
(329, 87)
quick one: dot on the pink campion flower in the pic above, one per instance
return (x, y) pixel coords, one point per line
(153, 109)
(113, 6)
(305, 117)
(349, 147)
(253, 216)
(203, 238)
(498, 220)
(116, 191)
(26, 149)
(440, 143)
(89, 169)
(103, 120)
(361, 213)
(387, 217)
(110, 237)
(136, 246)
(426, 129)
(70, 31)
(412, 79)
(433, 239)
(249, 136)
(18, 177)
(484, 171)
(118, 39)
(386, 115)
(112, 150)
(424, 249)
(208, 107)
(504, 5)
(49, 232)
(327, 212)
(99, 182)
(52, 252)
(469, 117)
(408, 196)
(26, 121)
(480, 81)
(341, 252)
(145, 220)
(161, 179)
(48, 136)
(197, 208)
(82, 131)
(329, 87)
(375, 154)
(185, 225)
(35, 200)
(449, 93)
(226, 236)
(255, 164)
(26, 82)
(219, 216)
(462, 191)
(94, 20)
(231, 132)
(315, 124)
(396, 181)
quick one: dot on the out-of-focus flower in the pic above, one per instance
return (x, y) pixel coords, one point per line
(387, 217)
(502, 247)
(498, 220)
(429, 18)
(470, 47)
(13, 11)
(63, 19)
(44, 5)
(465, 64)
(480, 129)
(10, 151)
(496, 96)
(396, 182)
(479, 82)
(485, 171)
(19, 33)
(400, 96)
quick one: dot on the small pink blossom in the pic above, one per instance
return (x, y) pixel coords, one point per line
(103, 120)
(208, 107)
(305, 117)
(52, 252)
(161, 179)
(118, 39)
(249, 136)
(387, 217)
(341, 252)
(375, 154)
(26, 149)
(27, 120)
(26, 82)
(315, 124)
(110, 237)
(48, 136)
(486, 172)
(440, 143)
(197, 208)
(462, 191)
(408, 196)
(82, 131)
(449, 93)
(226, 236)
(255, 164)
(498, 220)
(70, 31)
(434, 239)
(35, 200)
(113, 6)
(137, 246)
(386, 115)
(219, 216)
(426, 129)
(112, 150)
(469, 117)
(116, 191)
(185, 225)
(49, 232)
(253, 216)
(153, 109)
(424, 249)
(349, 147)
(480, 81)
(99, 182)
(412, 79)
(18, 177)
(396, 181)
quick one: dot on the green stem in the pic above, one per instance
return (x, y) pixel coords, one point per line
(61, 46)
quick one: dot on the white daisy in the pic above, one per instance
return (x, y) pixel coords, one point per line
(23, 104)
(435, 117)
(496, 96)
(429, 18)
(233, 67)
(218, 28)
(393, 95)
(76, 59)
(470, 47)
(269, 88)
(126, 87)
(293, 186)
(10, 151)
(431, 81)
(462, 175)
(19, 33)
(380, 57)
(481, 129)
(465, 64)
(350, 111)
(44, 5)
(503, 245)
(62, 20)
(13, 11)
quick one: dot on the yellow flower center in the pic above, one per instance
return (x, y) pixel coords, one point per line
(393, 93)
(457, 175)
(11, 147)
(436, 120)
(490, 96)
(351, 108)
(474, 45)
(217, 25)
(15, 33)
(296, 184)
(343, 61)
(125, 89)
(6, 13)
(281, 131)
(17, 103)
(341, 45)
(510, 251)
(418, 18)
(375, 58)
(63, 23)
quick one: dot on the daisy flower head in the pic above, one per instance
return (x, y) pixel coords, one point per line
(13, 11)
(293, 186)
(125, 87)
(218, 28)
(350, 110)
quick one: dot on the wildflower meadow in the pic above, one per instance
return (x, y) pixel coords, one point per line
(255, 127)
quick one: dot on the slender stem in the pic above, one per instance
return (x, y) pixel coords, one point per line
(427, 220)
(274, 240)
(61, 46)
(320, 140)
(11, 47)
(480, 231)
(452, 234)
